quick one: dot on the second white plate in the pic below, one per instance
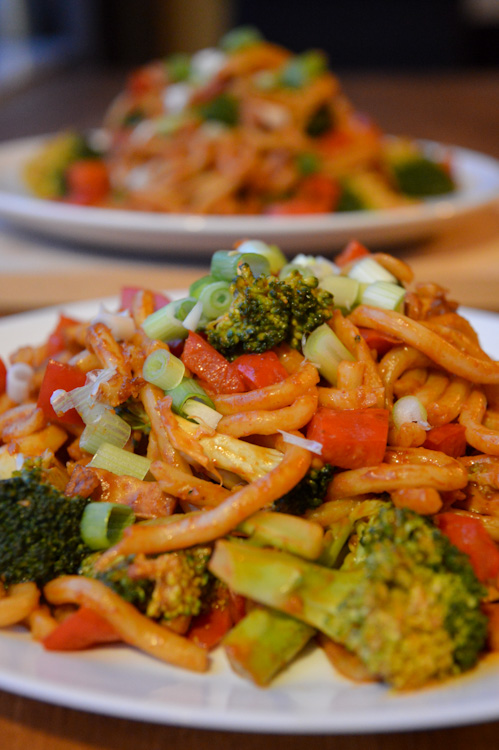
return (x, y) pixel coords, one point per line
(136, 231)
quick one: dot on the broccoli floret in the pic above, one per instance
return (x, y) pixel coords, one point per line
(405, 600)
(45, 173)
(163, 587)
(419, 177)
(308, 493)
(266, 311)
(39, 529)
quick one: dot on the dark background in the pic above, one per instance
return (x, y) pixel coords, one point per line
(357, 34)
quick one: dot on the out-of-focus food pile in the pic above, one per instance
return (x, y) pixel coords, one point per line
(292, 453)
(247, 127)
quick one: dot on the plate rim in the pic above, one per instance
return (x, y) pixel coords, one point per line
(188, 229)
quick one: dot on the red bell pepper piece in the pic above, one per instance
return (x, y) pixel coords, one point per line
(59, 375)
(87, 181)
(82, 629)
(350, 438)
(57, 341)
(317, 194)
(448, 438)
(471, 537)
(381, 342)
(210, 366)
(353, 251)
(3, 376)
(208, 628)
(260, 370)
(129, 292)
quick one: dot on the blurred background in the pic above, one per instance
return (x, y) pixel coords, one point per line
(40, 36)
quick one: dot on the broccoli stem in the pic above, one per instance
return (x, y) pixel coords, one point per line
(302, 589)
(290, 533)
(264, 642)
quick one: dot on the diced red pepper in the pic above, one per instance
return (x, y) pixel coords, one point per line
(3, 376)
(208, 628)
(353, 251)
(260, 370)
(57, 339)
(350, 438)
(316, 194)
(87, 181)
(448, 438)
(84, 628)
(146, 79)
(209, 365)
(129, 292)
(471, 537)
(380, 342)
(60, 375)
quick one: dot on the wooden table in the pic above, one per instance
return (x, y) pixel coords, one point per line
(460, 108)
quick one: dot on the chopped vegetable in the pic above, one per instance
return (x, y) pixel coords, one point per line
(351, 438)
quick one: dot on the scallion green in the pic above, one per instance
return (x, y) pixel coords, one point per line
(215, 299)
(324, 349)
(188, 388)
(164, 369)
(102, 524)
(273, 253)
(166, 323)
(224, 264)
(368, 270)
(197, 286)
(120, 462)
(107, 428)
(383, 294)
(345, 291)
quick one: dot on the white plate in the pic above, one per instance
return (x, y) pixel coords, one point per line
(309, 698)
(137, 231)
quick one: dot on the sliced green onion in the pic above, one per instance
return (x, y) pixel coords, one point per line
(369, 270)
(166, 323)
(102, 524)
(240, 38)
(224, 264)
(120, 462)
(188, 388)
(384, 294)
(320, 266)
(409, 409)
(303, 68)
(197, 286)
(273, 253)
(107, 428)
(324, 349)
(306, 271)
(163, 369)
(345, 291)
(193, 318)
(201, 412)
(215, 299)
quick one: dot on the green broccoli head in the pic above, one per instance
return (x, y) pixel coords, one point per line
(39, 529)
(308, 493)
(265, 311)
(416, 616)
(405, 601)
(163, 587)
(419, 177)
